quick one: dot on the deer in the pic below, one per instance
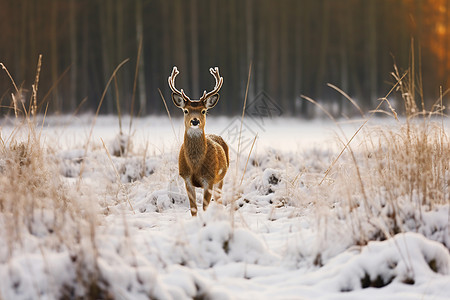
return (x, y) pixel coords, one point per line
(203, 159)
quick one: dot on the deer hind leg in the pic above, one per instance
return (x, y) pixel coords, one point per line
(191, 195)
(218, 192)
(207, 195)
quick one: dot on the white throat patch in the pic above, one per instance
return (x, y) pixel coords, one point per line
(194, 131)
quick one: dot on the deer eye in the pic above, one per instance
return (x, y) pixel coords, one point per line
(186, 111)
(204, 111)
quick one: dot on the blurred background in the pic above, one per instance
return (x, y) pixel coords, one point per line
(295, 47)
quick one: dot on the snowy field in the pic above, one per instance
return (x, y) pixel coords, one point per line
(76, 221)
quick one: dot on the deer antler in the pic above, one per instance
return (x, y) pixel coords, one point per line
(171, 80)
(219, 81)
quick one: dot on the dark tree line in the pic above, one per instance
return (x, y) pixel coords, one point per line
(295, 47)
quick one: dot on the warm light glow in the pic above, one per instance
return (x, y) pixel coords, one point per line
(435, 36)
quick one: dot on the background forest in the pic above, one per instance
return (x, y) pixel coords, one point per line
(295, 47)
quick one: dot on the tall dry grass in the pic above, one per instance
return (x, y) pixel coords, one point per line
(400, 173)
(39, 213)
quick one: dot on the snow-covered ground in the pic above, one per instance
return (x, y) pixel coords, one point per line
(125, 231)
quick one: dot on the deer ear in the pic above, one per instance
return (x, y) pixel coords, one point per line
(211, 101)
(178, 100)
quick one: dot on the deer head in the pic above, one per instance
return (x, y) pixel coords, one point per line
(195, 110)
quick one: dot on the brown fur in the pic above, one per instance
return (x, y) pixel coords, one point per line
(203, 159)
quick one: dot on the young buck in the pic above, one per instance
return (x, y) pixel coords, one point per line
(203, 159)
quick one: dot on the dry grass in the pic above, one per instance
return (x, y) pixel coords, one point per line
(38, 211)
(403, 170)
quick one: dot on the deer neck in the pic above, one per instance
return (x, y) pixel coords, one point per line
(195, 145)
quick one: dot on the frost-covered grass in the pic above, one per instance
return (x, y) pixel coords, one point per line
(77, 224)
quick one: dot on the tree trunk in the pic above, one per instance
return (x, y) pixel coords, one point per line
(285, 83)
(274, 52)
(141, 65)
(372, 70)
(260, 64)
(54, 55)
(179, 42)
(298, 38)
(194, 50)
(249, 43)
(84, 72)
(107, 50)
(343, 65)
(73, 55)
(323, 48)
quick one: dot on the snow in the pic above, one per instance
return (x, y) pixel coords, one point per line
(128, 232)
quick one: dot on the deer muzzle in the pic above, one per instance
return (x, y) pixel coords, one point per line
(195, 122)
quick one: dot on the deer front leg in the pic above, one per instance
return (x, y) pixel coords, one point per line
(218, 192)
(191, 195)
(207, 195)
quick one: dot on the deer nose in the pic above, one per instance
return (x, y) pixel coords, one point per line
(195, 122)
